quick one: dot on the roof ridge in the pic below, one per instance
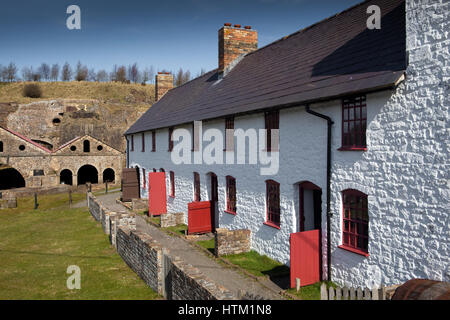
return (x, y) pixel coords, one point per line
(309, 27)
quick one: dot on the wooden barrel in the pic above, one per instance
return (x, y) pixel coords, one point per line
(423, 289)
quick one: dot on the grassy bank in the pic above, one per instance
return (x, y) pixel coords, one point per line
(37, 246)
(104, 91)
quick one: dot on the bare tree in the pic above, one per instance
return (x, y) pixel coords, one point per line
(66, 72)
(148, 74)
(102, 76)
(121, 74)
(182, 77)
(81, 72)
(54, 73)
(92, 75)
(27, 73)
(11, 72)
(133, 73)
(44, 71)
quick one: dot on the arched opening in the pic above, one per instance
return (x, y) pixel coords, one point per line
(10, 178)
(86, 146)
(66, 177)
(1, 146)
(87, 173)
(108, 175)
(56, 121)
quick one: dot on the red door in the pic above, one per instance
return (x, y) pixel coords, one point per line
(305, 257)
(199, 217)
(157, 200)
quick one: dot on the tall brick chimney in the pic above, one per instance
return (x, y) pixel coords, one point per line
(163, 83)
(234, 42)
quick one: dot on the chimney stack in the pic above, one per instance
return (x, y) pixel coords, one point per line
(234, 42)
(163, 83)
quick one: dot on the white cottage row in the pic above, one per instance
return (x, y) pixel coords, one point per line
(363, 143)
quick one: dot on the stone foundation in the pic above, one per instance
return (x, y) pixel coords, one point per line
(172, 219)
(231, 241)
(8, 203)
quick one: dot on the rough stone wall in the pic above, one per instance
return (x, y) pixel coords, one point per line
(75, 117)
(8, 203)
(188, 283)
(404, 171)
(160, 270)
(172, 219)
(142, 255)
(231, 241)
(33, 158)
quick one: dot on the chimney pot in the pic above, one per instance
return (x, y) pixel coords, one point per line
(227, 24)
(248, 27)
(237, 25)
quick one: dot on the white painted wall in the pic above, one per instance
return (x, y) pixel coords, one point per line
(404, 171)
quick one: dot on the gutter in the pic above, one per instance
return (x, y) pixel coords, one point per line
(329, 215)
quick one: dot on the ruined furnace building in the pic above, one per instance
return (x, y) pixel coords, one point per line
(26, 163)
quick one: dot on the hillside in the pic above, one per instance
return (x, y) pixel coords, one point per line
(70, 109)
(112, 92)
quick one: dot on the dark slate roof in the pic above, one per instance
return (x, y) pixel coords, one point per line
(335, 57)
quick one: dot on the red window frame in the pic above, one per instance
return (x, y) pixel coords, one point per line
(143, 142)
(354, 123)
(153, 141)
(170, 139)
(197, 196)
(229, 125)
(355, 222)
(172, 184)
(132, 142)
(272, 121)
(273, 203)
(231, 195)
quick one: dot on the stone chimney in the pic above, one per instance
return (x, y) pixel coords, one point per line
(234, 42)
(163, 83)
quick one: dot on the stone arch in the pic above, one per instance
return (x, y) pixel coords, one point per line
(109, 175)
(11, 178)
(87, 173)
(66, 177)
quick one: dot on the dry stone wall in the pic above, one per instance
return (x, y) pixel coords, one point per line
(162, 271)
(231, 241)
(172, 219)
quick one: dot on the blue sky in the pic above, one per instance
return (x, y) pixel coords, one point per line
(167, 34)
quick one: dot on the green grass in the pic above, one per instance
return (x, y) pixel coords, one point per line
(37, 246)
(179, 229)
(208, 244)
(156, 219)
(258, 265)
(311, 292)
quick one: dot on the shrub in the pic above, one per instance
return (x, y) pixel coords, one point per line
(32, 91)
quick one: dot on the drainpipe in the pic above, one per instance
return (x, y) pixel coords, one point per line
(329, 124)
